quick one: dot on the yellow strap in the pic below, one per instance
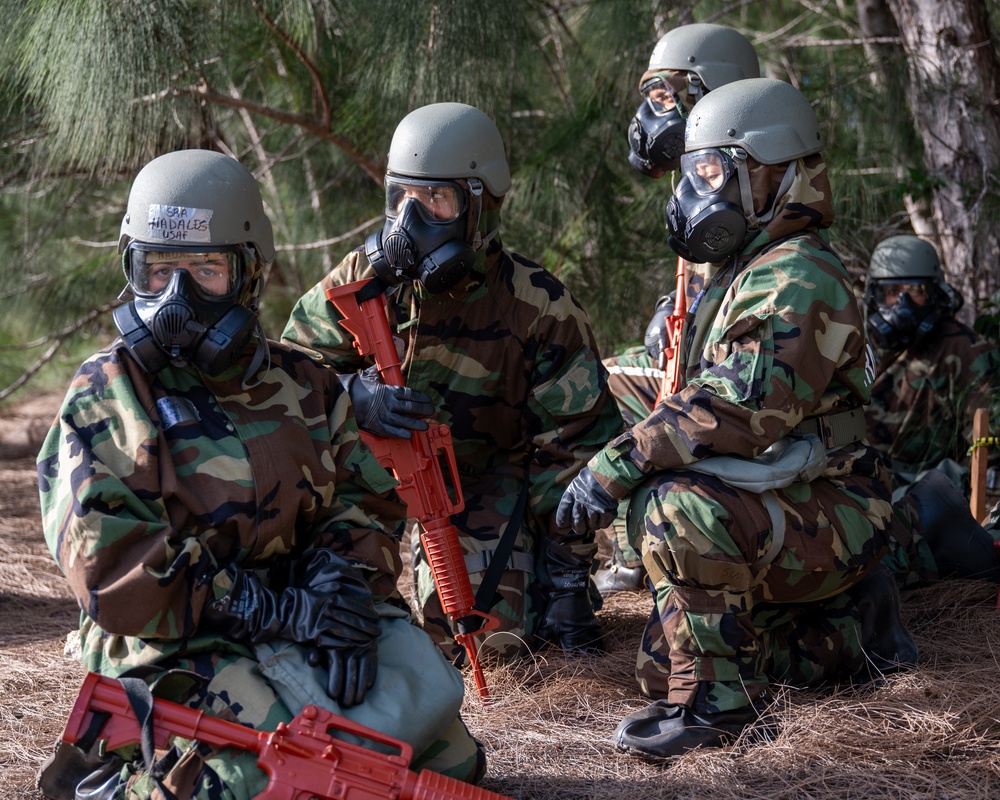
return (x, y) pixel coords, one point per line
(986, 441)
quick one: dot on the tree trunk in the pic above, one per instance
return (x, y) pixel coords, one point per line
(954, 76)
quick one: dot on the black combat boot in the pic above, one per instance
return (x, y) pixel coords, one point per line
(962, 548)
(662, 730)
(886, 642)
(568, 619)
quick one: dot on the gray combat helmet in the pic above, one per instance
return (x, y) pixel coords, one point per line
(716, 54)
(197, 197)
(905, 257)
(447, 141)
(770, 119)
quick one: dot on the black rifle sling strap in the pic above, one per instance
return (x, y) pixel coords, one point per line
(140, 697)
(498, 562)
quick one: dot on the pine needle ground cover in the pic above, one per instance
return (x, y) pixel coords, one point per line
(929, 734)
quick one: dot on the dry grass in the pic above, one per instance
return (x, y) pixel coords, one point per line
(931, 734)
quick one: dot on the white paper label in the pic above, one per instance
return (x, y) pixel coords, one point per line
(180, 224)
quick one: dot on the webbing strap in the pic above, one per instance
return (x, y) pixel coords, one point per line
(777, 515)
(141, 699)
(835, 430)
(501, 555)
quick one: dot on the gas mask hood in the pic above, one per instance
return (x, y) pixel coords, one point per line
(711, 214)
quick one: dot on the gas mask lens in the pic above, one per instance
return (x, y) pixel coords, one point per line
(216, 273)
(707, 170)
(887, 293)
(439, 202)
(663, 94)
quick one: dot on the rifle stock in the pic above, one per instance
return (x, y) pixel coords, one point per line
(419, 464)
(302, 759)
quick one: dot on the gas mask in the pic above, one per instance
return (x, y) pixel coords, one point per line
(656, 133)
(655, 142)
(424, 236)
(905, 322)
(706, 216)
(186, 307)
(711, 213)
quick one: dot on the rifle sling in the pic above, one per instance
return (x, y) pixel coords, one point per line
(501, 555)
(140, 697)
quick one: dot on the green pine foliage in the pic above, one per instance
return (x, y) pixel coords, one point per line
(307, 94)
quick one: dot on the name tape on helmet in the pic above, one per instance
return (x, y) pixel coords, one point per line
(179, 223)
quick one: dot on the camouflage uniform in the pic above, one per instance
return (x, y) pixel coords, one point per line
(920, 417)
(509, 360)
(635, 381)
(924, 397)
(775, 338)
(149, 483)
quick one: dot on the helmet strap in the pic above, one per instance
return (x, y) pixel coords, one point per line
(475, 214)
(695, 91)
(263, 351)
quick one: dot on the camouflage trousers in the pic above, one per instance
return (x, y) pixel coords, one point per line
(232, 688)
(516, 603)
(732, 613)
(909, 558)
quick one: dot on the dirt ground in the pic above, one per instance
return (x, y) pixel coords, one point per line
(930, 734)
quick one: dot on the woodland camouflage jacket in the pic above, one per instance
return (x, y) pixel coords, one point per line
(509, 361)
(149, 483)
(924, 397)
(773, 338)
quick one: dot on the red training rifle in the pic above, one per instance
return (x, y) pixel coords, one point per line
(673, 329)
(416, 464)
(303, 760)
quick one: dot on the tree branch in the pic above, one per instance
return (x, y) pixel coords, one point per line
(57, 339)
(319, 90)
(371, 168)
(335, 240)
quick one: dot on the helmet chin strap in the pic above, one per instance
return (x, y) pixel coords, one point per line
(746, 194)
(263, 351)
(479, 240)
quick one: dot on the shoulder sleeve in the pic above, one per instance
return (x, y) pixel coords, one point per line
(570, 409)
(99, 481)
(314, 324)
(365, 518)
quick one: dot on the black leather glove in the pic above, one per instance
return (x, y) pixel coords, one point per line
(586, 505)
(568, 620)
(391, 411)
(656, 331)
(328, 606)
(352, 661)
